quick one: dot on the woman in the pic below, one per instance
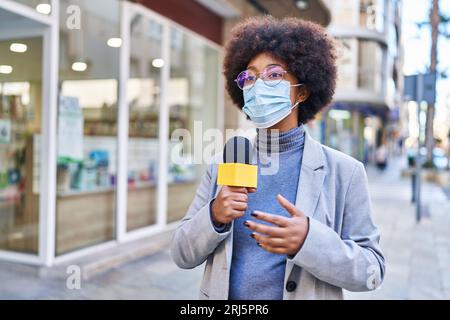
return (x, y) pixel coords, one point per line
(307, 231)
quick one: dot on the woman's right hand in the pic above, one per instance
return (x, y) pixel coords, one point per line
(230, 204)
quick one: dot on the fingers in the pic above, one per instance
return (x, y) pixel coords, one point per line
(272, 218)
(239, 206)
(268, 241)
(271, 244)
(240, 197)
(277, 250)
(235, 214)
(238, 189)
(230, 204)
(291, 208)
(251, 190)
(267, 230)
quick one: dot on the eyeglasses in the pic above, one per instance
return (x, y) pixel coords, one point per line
(271, 76)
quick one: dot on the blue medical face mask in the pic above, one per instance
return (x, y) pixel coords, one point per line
(267, 105)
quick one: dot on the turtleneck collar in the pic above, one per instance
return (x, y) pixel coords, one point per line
(267, 140)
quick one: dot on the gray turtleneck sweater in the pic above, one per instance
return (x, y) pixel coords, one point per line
(256, 273)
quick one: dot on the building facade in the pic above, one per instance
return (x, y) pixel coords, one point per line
(90, 94)
(368, 95)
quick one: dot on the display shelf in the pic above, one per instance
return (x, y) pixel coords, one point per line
(139, 185)
(79, 193)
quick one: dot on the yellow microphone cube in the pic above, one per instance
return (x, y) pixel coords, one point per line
(237, 175)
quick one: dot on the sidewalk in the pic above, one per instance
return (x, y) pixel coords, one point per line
(417, 255)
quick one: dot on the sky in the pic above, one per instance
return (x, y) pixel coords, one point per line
(417, 44)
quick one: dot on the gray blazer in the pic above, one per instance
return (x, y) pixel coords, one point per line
(341, 248)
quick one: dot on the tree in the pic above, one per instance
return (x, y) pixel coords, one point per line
(438, 23)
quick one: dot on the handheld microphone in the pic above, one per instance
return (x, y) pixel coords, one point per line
(236, 169)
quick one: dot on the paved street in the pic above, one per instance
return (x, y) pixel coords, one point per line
(418, 257)
(154, 277)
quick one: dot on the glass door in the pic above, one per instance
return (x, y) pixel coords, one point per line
(143, 99)
(87, 126)
(21, 55)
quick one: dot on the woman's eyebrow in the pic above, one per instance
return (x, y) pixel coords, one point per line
(269, 65)
(273, 65)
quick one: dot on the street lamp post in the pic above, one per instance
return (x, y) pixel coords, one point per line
(420, 88)
(418, 179)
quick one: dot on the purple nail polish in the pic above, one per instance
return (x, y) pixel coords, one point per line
(252, 235)
(246, 224)
(254, 214)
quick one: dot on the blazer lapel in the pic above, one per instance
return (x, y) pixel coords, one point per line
(312, 174)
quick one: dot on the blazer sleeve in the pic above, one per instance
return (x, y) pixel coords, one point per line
(196, 238)
(352, 260)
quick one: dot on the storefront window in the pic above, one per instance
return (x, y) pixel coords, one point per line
(193, 102)
(87, 126)
(339, 127)
(20, 139)
(143, 89)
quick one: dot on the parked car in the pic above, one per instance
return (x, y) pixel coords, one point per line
(440, 159)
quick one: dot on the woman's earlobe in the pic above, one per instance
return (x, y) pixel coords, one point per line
(303, 95)
(302, 98)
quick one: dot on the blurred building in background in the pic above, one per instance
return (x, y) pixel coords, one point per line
(366, 108)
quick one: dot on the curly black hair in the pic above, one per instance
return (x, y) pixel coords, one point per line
(309, 54)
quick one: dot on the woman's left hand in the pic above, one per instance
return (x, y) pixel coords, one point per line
(288, 234)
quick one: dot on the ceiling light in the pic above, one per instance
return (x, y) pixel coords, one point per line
(301, 4)
(18, 47)
(158, 63)
(44, 8)
(114, 42)
(5, 69)
(79, 66)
